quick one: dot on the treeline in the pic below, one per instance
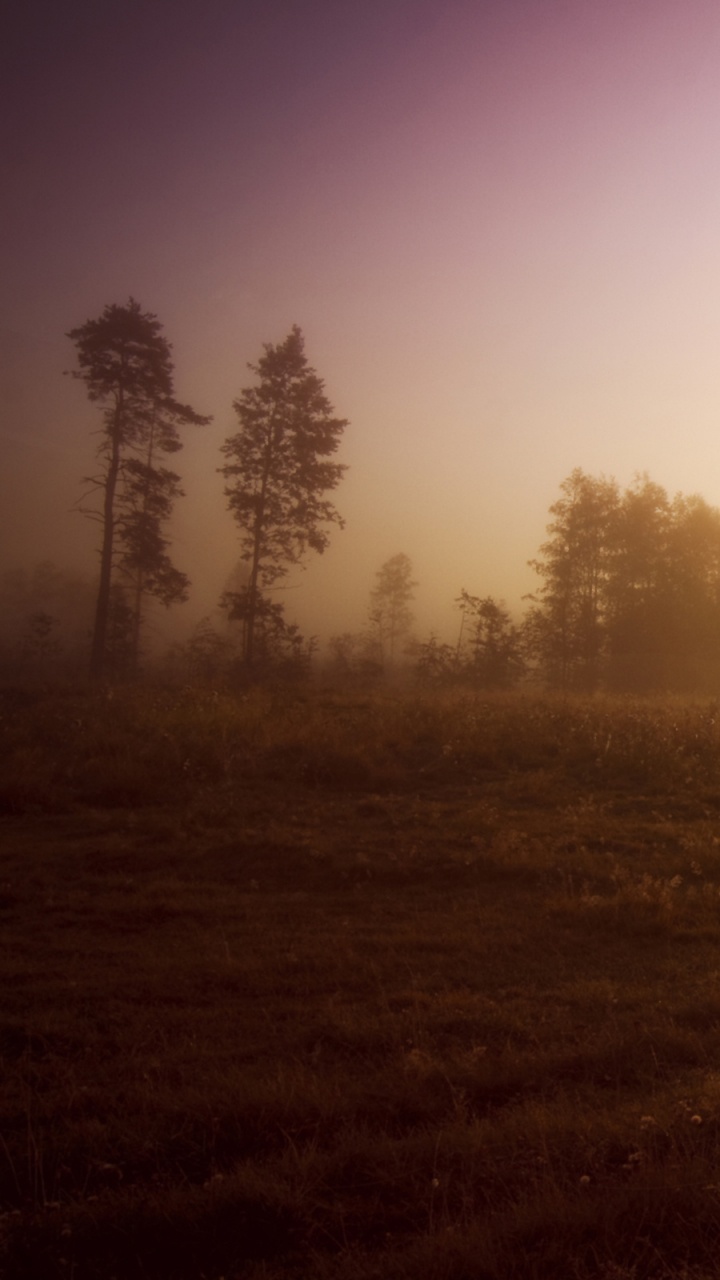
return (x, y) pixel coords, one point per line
(628, 600)
(629, 581)
(629, 595)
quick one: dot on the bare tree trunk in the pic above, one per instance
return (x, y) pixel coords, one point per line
(102, 608)
(257, 548)
(252, 597)
(140, 578)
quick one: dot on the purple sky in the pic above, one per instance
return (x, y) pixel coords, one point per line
(496, 223)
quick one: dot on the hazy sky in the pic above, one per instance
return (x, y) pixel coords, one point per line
(497, 223)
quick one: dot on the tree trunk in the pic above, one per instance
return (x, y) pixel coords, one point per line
(102, 608)
(253, 588)
(140, 578)
(257, 548)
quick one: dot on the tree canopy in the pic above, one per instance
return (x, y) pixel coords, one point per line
(391, 617)
(278, 470)
(124, 361)
(630, 594)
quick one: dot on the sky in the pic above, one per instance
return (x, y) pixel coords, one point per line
(497, 223)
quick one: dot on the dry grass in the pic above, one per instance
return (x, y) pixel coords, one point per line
(309, 984)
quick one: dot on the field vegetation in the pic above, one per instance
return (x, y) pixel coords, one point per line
(351, 984)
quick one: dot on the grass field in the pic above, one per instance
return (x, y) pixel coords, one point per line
(347, 985)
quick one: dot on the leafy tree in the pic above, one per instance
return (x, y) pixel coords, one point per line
(489, 646)
(436, 663)
(355, 655)
(277, 643)
(639, 610)
(391, 618)
(631, 592)
(565, 629)
(664, 591)
(125, 364)
(696, 563)
(277, 473)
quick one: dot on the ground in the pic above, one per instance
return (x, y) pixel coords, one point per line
(359, 985)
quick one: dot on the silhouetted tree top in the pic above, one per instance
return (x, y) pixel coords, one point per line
(278, 470)
(125, 362)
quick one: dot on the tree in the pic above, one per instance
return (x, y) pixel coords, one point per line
(565, 630)
(489, 648)
(208, 653)
(45, 618)
(126, 367)
(640, 615)
(41, 645)
(391, 618)
(343, 654)
(355, 656)
(631, 591)
(277, 472)
(663, 591)
(436, 663)
(696, 562)
(277, 643)
(146, 503)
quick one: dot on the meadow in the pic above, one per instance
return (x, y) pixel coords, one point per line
(346, 984)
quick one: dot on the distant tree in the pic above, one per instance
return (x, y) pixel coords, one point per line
(663, 591)
(565, 629)
(45, 618)
(391, 618)
(126, 367)
(639, 611)
(343, 649)
(696, 562)
(277, 473)
(436, 662)
(355, 655)
(631, 590)
(208, 653)
(489, 647)
(40, 644)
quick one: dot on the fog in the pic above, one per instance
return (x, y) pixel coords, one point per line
(495, 224)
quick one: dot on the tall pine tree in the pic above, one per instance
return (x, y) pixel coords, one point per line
(277, 473)
(124, 361)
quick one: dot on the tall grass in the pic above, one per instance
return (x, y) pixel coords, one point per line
(136, 747)
(311, 984)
